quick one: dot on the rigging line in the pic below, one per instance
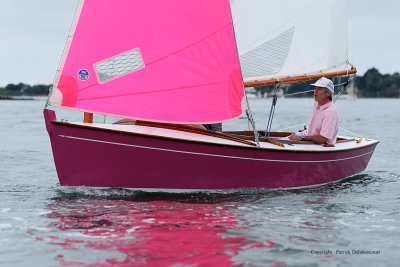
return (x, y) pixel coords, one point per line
(297, 93)
(356, 134)
(340, 84)
(281, 130)
(251, 121)
(307, 91)
(272, 112)
(344, 86)
(351, 65)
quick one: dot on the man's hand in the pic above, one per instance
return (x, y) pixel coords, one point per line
(318, 139)
(294, 137)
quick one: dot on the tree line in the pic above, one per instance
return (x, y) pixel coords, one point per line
(372, 84)
(22, 89)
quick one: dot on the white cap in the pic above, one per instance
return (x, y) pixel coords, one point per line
(326, 83)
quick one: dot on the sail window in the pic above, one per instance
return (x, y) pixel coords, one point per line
(119, 65)
(269, 57)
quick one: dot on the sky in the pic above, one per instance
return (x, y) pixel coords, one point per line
(33, 34)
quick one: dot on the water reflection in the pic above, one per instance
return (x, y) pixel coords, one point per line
(148, 229)
(248, 227)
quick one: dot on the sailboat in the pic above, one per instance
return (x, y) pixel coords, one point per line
(166, 67)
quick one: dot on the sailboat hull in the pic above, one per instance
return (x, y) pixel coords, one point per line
(87, 156)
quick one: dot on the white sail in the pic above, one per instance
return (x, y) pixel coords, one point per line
(290, 37)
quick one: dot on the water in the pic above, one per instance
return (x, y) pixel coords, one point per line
(43, 224)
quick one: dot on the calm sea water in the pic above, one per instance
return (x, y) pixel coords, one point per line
(43, 224)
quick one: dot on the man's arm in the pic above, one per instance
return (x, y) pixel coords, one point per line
(319, 139)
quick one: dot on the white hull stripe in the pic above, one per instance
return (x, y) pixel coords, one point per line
(210, 155)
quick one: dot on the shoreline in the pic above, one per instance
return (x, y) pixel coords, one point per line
(23, 97)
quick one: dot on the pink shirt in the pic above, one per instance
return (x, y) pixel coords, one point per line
(325, 122)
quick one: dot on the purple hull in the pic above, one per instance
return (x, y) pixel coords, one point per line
(86, 156)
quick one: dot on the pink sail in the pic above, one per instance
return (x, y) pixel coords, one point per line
(169, 61)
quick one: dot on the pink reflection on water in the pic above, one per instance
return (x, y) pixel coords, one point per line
(157, 233)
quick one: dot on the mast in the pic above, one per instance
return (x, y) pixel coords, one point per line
(87, 117)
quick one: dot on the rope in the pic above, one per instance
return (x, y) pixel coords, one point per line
(356, 134)
(251, 121)
(300, 124)
(302, 92)
(339, 84)
(344, 86)
(272, 112)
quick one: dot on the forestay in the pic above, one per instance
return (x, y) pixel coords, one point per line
(289, 38)
(169, 61)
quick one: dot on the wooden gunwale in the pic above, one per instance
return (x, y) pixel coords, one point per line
(238, 136)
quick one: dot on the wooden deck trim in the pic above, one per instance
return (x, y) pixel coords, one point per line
(193, 129)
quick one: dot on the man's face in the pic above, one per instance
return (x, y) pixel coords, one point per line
(321, 94)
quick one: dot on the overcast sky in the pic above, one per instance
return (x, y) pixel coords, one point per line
(33, 34)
